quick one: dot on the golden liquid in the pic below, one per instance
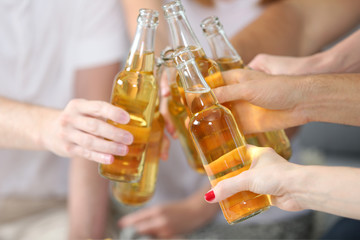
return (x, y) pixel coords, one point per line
(180, 117)
(223, 151)
(138, 193)
(274, 139)
(135, 91)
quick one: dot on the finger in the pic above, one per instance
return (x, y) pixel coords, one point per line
(240, 91)
(165, 146)
(138, 216)
(100, 128)
(164, 109)
(152, 226)
(229, 187)
(92, 143)
(101, 110)
(78, 151)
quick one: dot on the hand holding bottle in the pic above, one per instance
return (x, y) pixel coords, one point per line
(79, 131)
(260, 178)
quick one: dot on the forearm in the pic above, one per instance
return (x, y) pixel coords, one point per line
(329, 189)
(89, 196)
(22, 124)
(331, 98)
(292, 27)
(88, 200)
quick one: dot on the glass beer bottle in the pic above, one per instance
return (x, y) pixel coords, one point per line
(138, 193)
(135, 91)
(218, 139)
(178, 112)
(227, 58)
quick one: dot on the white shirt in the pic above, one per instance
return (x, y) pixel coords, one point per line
(42, 44)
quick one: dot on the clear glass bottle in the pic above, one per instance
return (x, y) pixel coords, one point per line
(218, 139)
(138, 193)
(226, 56)
(178, 112)
(135, 90)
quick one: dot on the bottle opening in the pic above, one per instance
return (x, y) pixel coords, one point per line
(211, 25)
(148, 17)
(173, 8)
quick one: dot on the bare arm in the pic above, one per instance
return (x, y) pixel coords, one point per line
(325, 98)
(296, 187)
(342, 58)
(88, 198)
(75, 131)
(297, 28)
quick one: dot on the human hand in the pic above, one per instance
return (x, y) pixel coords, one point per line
(171, 220)
(80, 130)
(314, 64)
(264, 102)
(269, 174)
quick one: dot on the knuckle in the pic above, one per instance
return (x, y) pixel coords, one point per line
(86, 153)
(86, 141)
(92, 125)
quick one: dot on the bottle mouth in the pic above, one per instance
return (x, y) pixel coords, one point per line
(173, 8)
(148, 17)
(211, 25)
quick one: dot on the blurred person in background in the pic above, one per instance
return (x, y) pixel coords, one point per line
(276, 27)
(50, 53)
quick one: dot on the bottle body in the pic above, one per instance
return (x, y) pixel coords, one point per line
(227, 58)
(178, 113)
(218, 140)
(223, 152)
(138, 193)
(135, 90)
(275, 139)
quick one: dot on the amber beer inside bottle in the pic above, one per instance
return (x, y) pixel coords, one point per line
(138, 193)
(218, 140)
(135, 91)
(178, 113)
(227, 58)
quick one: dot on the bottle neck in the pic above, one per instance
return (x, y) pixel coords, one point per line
(181, 32)
(221, 47)
(198, 94)
(141, 56)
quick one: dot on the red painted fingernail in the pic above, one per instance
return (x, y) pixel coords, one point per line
(210, 196)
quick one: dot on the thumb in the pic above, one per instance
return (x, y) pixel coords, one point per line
(228, 187)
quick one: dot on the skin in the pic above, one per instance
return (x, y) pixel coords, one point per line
(88, 214)
(76, 131)
(276, 31)
(168, 220)
(266, 98)
(296, 187)
(342, 58)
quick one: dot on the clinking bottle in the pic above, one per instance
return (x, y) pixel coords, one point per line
(227, 58)
(218, 139)
(178, 112)
(138, 193)
(135, 90)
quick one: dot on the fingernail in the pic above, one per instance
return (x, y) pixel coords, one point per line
(209, 196)
(124, 150)
(125, 118)
(108, 159)
(128, 138)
